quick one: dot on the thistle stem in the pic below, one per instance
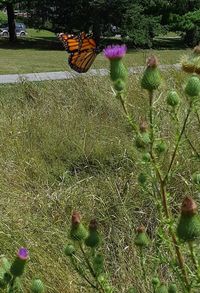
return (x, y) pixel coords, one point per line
(178, 142)
(151, 119)
(142, 263)
(173, 236)
(80, 272)
(87, 261)
(122, 101)
(162, 183)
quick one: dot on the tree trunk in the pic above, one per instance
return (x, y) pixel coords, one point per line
(11, 22)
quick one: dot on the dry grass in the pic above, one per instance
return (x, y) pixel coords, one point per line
(64, 146)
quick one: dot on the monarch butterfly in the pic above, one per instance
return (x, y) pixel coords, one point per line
(82, 49)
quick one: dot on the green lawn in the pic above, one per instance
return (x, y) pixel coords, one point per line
(41, 52)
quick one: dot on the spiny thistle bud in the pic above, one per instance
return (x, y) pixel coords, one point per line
(191, 63)
(192, 88)
(142, 140)
(172, 288)
(142, 178)
(160, 147)
(141, 238)
(119, 85)
(16, 288)
(98, 264)
(196, 178)
(93, 238)
(117, 69)
(78, 231)
(5, 275)
(162, 289)
(146, 157)
(69, 250)
(37, 286)
(151, 77)
(17, 267)
(3, 282)
(173, 99)
(155, 282)
(5, 264)
(188, 228)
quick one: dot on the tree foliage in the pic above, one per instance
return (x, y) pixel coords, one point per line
(138, 20)
(189, 25)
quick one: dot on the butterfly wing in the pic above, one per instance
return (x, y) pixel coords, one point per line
(83, 50)
(81, 61)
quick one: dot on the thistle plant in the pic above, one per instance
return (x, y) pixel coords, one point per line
(85, 255)
(156, 177)
(11, 274)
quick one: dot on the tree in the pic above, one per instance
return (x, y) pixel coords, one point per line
(189, 25)
(9, 4)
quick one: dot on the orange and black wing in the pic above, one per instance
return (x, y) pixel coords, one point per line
(71, 42)
(83, 50)
(81, 61)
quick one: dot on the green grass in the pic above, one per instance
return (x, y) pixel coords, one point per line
(66, 145)
(41, 52)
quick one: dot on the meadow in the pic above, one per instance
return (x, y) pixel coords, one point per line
(67, 145)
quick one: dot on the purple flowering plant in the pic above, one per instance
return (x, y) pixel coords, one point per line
(157, 162)
(115, 51)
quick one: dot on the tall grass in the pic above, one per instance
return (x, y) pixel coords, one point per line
(64, 146)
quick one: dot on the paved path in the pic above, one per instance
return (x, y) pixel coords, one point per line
(59, 75)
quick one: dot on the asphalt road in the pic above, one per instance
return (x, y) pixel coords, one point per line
(40, 76)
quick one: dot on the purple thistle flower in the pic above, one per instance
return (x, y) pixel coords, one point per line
(23, 253)
(115, 51)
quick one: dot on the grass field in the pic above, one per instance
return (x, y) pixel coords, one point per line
(41, 52)
(66, 145)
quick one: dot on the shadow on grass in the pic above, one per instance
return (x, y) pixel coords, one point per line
(39, 43)
(52, 43)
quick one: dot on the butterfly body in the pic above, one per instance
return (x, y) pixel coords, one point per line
(82, 49)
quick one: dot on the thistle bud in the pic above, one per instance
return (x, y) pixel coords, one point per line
(192, 88)
(151, 78)
(142, 178)
(93, 238)
(172, 288)
(98, 264)
(160, 147)
(5, 264)
(155, 282)
(37, 286)
(141, 238)
(188, 228)
(3, 282)
(196, 178)
(142, 140)
(17, 287)
(162, 289)
(173, 99)
(115, 53)
(146, 157)
(17, 267)
(78, 231)
(69, 250)
(119, 85)
(191, 63)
